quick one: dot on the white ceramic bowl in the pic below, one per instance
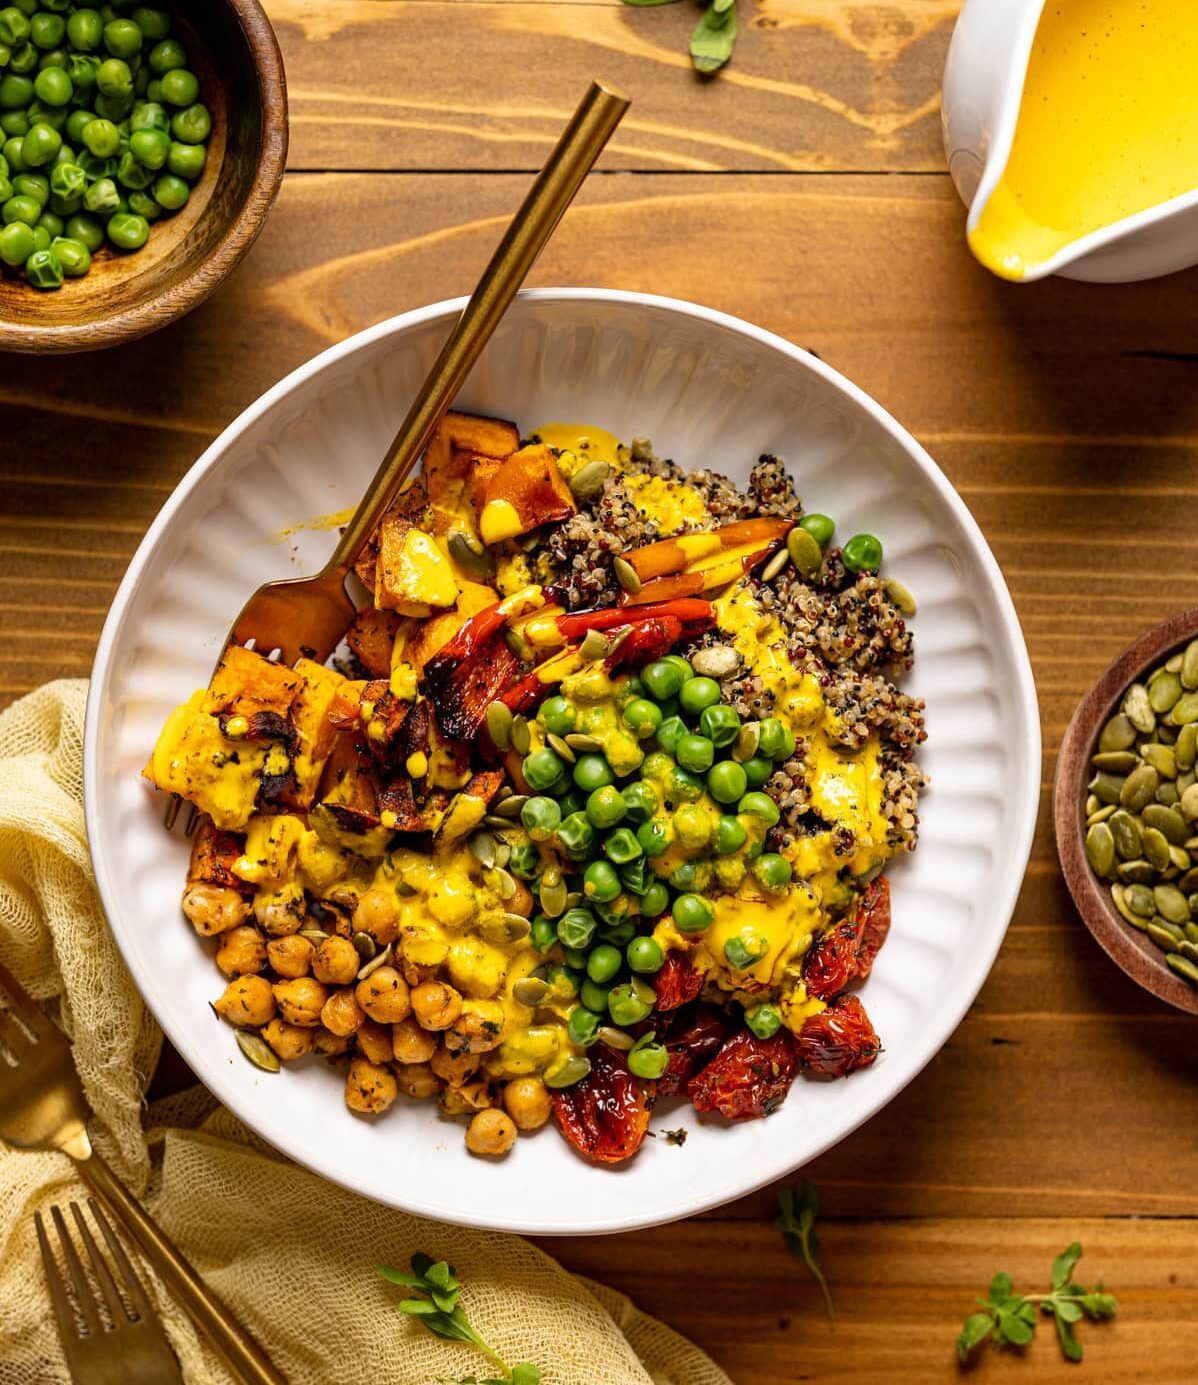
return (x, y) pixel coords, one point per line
(710, 391)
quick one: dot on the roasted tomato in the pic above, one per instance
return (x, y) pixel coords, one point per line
(692, 1037)
(832, 962)
(838, 1040)
(872, 918)
(749, 1077)
(605, 1116)
(678, 982)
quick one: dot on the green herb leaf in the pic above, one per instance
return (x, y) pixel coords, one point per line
(796, 1221)
(713, 39)
(1069, 1343)
(525, 1373)
(1068, 1310)
(1062, 1266)
(1000, 1288)
(392, 1276)
(977, 1328)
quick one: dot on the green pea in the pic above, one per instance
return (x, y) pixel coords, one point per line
(583, 1026)
(41, 144)
(77, 121)
(592, 772)
(82, 69)
(44, 270)
(619, 934)
(683, 666)
(180, 87)
(14, 27)
(694, 752)
(631, 1001)
(128, 231)
(758, 771)
(564, 980)
(862, 553)
(606, 807)
(572, 801)
(149, 115)
(154, 24)
(46, 30)
(641, 801)
(604, 962)
(621, 846)
(144, 205)
(820, 527)
(13, 151)
(691, 876)
(699, 694)
(771, 871)
(73, 255)
(18, 208)
(64, 206)
(102, 197)
(730, 835)
(593, 995)
(655, 901)
(525, 861)
(544, 932)
(556, 714)
(102, 138)
(112, 107)
(94, 169)
(16, 243)
(35, 185)
(654, 838)
(656, 765)
(85, 30)
(149, 147)
(54, 87)
(692, 826)
(648, 1060)
(68, 180)
(670, 732)
(576, 836)
(764, 1021)
(132, 174)
(745, 950)
(5, 190)
(600, 881)
(642, 717)
(634, 874)
(24, 59)
(50, 221)
(777, 740)
(645, 956)
(41, 238)
(720, 724)
(167, 56)
(727, 781)
(576, 928)
(122, 38)
(14, 123)
(193, 124)
(760, 805)
(86, 230)
(540, 769)
(682, 786)
(541, 818)
(662, 679)
(692, 913)
(114, 78)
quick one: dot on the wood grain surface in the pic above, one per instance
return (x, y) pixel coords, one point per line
(802, 189)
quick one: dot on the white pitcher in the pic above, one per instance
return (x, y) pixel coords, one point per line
(983, 85)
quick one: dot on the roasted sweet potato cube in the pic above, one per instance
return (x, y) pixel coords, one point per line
(348, 779)
(213, 854)
(490, 437)
(400, 810)
(412, 576)
(372, 638)
(410, 504)
(482, 473)
(346, 710)
(311, 717)
(245, 682)
(428, 637)
(528, 490)
(383, 718)
(467, 809)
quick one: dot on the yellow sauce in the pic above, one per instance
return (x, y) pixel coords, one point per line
(586, 443)
(1108, 127)
(666, 503)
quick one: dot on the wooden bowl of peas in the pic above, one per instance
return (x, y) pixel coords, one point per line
(141, 149)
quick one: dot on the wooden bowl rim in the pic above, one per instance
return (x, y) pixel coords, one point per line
(1131, 950)
(160, 308)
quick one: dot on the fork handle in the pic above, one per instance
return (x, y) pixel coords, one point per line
(231, 1342)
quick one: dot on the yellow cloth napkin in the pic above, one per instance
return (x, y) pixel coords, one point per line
(293, 1255)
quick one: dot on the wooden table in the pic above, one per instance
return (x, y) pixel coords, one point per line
(805, 190)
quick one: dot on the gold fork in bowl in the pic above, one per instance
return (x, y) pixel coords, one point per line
(125, 1349)
(308, 616)
(42, 1106)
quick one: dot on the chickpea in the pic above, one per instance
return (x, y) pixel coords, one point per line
(411, 1043)
(213, 909)
(291, 956)
(328, 1044)
(416, 1080)
(375, 1041)
(301, 1000)
(336, 962)
(526, 1100)
(454, 1068)
(289, 1041)
(342, 1014)
(490, 1132)
(242, 951)
(477, 1029)
(247, 1001)
(384, 996)
(369, 1088)
(473, 1096)
(281, 911)
(377, 913)
(436, 1005)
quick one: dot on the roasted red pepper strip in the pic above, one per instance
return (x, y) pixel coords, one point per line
(689, 611)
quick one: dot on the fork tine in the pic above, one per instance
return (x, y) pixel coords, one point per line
(83, 1293)
(108, 1288)
(171, 812)
(193, 820)
(20, 1002)
(59, 1299)
(133, 1286)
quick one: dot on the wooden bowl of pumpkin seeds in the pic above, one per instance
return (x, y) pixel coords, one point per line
(1125, 806)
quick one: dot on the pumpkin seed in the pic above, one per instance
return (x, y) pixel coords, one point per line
(1155, 847)
(482, 847)
(748, 739)
(1190, 929)
(1160, 757)
(509, 809)
(1139, 899)
(1092, 804)
(499, 725)
(1189, 803)
(1106, 787)
(1116, 761)
(594, 646)
(614, 1038)
(1119, 896)
(314, 935)
(501, 881)
(530, 990)
(1164, 692)
(588, 481)
(1184, 968)
(495, 824)
(775, 565)
(1166, 820)
(553, 893)
(1188, 884)
(560, 747)
(573, 1070)
(1185, 750)
(1137, 789)
(718, 660)
(617, 640)
(1100, 847)
(589, 745)
(1162, 937)
(1117, 734)
(1126, 831)
(1185, 709)
(521, 736)
(627, 576)
(1136, 872)
(805, 553)
(574, 899)
(1166, 733)
(1174, 663)
(257, 1050)
(373, 965)
(1187, 949)
(1179, 858)
(471, 556)
(1138, 710)
(519, 646)
(517, 926)
(365, 945)
(1101, 814)
(1185, 779)
(1168, 795)
(1188, 672)
(1171, 903)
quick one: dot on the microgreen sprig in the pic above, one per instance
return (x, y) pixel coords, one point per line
(436, 1306)
(796, 1221)
(713, 37)
(1009, 1319)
